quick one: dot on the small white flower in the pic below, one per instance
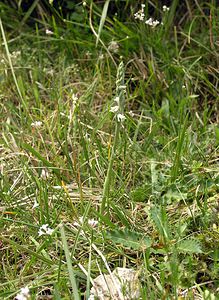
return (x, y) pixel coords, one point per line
(84, 3)
(152, 23)
(121, 118)
(49, 32)
(149, 22)
(139, 15)
(93, 223)
(155, 23)
(165, 8)
(44, 229)
(51, 2)
(131, 113)
(114, 109)
(36, 124)
(24, 294)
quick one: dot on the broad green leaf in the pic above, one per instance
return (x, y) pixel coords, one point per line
(189, 246)
(129, 239)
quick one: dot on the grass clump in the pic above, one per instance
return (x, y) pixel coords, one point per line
(109, 148)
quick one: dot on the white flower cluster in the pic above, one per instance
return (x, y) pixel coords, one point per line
(152, 23)
(44, 229)
(165, 8)
(24, 294)
(121, 118)
(91, 222)
(36, 124)
(140, 14)
(49, 32)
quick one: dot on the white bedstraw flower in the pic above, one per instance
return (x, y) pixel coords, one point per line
(51, 2)
(152, 23)
(121, 118)
(131, 113)
(140, 14)
(93, 223)
(44, 229)
(155, 23)
(149, 22)
(24, 294)
(114, 109)
(36, 124)
(49, 32)
(165, 8)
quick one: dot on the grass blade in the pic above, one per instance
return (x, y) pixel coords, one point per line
(102, 20)
(69, 265)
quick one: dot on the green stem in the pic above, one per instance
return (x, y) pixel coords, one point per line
(106, 187)
(121, 95)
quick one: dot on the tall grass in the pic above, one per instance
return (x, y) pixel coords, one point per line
(109, 148)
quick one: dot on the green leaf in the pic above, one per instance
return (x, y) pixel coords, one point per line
(159, 217)
(129, 239)
(102, 20)
(189, 246)
(69, 265)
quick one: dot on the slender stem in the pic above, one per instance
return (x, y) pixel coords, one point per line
(120, 95)
(108, 178)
